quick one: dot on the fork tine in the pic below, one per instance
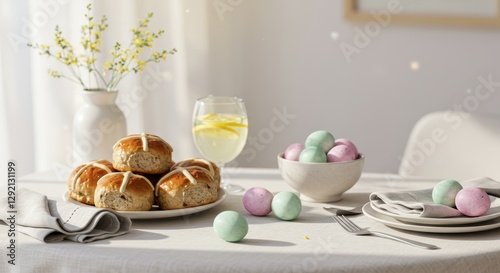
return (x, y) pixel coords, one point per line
(339, 221)
(336, 218)
(348, 223)
(351, 223)
(342, 223)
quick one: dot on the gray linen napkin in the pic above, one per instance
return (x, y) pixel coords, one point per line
(419, 202)
(52, 221)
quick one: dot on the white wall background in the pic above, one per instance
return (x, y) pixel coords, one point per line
(279, 55)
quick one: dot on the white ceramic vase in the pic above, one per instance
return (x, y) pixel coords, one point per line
(97, 125)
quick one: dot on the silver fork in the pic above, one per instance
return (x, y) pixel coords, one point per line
(351, 227)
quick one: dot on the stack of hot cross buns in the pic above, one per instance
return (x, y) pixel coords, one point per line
(143, 174)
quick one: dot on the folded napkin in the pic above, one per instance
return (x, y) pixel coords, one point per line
(419, 203)
(52, 221)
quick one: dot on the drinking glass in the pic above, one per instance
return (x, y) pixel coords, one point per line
(220, 129)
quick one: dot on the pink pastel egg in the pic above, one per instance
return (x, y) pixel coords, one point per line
(348, 143)
(258, 201)
(341, 153)
(293, 151)
(472, 201)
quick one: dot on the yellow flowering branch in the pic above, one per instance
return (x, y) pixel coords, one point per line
(123, 59)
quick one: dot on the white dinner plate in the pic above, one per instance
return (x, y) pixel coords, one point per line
(391, 222)
(156, 212)
(493, 212)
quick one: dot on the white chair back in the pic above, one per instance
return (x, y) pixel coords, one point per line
(453, 145)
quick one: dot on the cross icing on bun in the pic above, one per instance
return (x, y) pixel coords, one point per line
(142, 153)
(186, 187)
(203, 163)
(82, 182)
(124, 191)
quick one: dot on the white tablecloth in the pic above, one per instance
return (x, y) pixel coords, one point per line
(311, 243)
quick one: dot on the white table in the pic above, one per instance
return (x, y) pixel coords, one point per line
(311, 243)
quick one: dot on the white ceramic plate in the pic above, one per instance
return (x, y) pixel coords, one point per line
(391, 222)
(493, 212)
(156, 212)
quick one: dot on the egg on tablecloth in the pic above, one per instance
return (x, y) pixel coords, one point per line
(257, 201)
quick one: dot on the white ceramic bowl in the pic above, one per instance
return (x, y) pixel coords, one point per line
(321, 182)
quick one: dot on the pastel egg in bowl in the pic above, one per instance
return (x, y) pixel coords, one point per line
(321, 182)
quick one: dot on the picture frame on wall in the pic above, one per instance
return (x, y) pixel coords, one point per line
(477, 13)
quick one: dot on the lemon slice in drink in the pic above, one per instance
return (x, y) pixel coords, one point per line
(220, 126)
(211, 116)
(216, 130)
(225, 124)
(221, 117)
(223, 120)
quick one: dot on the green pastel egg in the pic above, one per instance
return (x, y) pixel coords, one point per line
(286, 205)
(230, 226)
(323, 139)
(445, 191)
(312, 154)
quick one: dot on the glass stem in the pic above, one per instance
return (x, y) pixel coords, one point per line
(224, 181)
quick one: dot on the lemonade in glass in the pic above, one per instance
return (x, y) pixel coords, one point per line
(220, 129)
